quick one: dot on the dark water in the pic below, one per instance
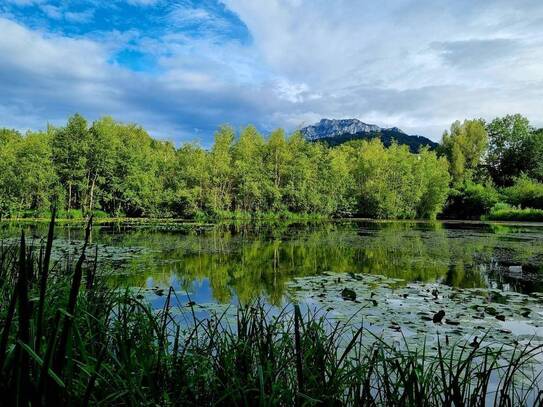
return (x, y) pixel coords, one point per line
(232, 262)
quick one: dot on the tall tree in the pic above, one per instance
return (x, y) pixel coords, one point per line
(193, 181)
(276, 163)
(509, 147)
(38, 183)
(70, 146)
(534, 155)
(464, 147)
(248, 154)
(100, 162)
(9, 188)
(221, 169)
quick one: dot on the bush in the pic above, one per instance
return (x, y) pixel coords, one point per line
(525, 193)
(70, 214)
(471, 202)
(100, 214)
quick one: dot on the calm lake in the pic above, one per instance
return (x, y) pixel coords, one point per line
(227, 263)
(393, 278)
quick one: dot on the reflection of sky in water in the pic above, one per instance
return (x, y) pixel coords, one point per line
(200, 294)
(227, 263)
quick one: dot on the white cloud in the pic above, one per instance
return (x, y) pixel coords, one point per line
(418, 65)
(422, 62)
(143, 2)
(79, 16)
(53, 12)
(53, 76)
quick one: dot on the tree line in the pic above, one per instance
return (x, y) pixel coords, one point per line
(118, 169)
(495, 165)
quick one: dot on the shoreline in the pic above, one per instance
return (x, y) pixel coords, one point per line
(148, 220)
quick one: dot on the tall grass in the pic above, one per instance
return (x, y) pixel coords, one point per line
(66, 338)
(505, 212)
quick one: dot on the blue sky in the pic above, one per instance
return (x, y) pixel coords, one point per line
(181, 68)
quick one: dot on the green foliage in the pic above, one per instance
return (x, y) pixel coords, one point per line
(119, 169)
(505, 212)
(464, 147)
(434, 183)
(393, 183)
(28, 181)
(70, 146)
(513, 149)
(471, 201)
(534, 156)
(525, 193)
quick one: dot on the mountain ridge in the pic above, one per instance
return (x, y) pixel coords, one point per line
(335, 132)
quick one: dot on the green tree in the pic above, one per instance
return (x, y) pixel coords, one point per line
(525, 192)
(249, 173)
(192, 181)
(137, 190)
(387, 183)
(534, 155)
(434, 179)
(38, 183)
(338, 180)
(221, 170)
(8, 136)
(70, 146)
(464, 146)
(100, 162)
(27, 177)
(9, 202)
(276, 159)
(509, 148)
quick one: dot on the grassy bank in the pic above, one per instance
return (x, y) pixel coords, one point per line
(66, 338)
(504, 212)
(76, 216)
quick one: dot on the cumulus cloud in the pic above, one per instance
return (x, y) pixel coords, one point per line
(53, 76)
(423, 63)
(418, 65)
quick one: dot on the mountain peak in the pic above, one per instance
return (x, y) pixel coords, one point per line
(337, 131)
(333, 127)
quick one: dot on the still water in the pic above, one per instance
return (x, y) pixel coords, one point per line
(239, 262)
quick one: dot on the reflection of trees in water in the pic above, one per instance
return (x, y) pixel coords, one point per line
(252, 260)
(248, 262)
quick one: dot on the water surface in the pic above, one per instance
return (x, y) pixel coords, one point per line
(239, 262)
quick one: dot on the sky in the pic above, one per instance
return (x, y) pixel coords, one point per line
(182, 68)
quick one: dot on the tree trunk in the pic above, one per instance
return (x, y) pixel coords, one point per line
(69, 195)
(91, 198)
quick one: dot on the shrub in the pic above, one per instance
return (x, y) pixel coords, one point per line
(471, 201)
(525, 193)
(70, 214)
(97, 214)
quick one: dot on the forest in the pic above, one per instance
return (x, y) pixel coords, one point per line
(112, 169)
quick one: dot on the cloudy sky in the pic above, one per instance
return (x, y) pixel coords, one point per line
(181, 68)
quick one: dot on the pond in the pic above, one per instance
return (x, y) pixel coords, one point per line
(393, 278)
(227, 263)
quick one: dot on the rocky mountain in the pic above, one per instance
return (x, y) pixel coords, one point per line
(335, 132)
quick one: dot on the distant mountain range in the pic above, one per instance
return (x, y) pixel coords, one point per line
(336, 132)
